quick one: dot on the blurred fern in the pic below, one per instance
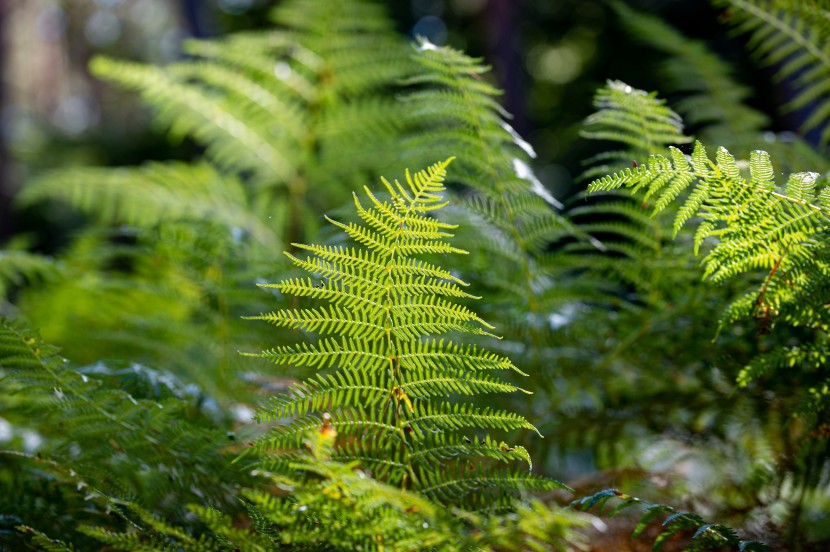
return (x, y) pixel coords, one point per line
(290, 120)
(706, 536)
(791, 37)
(710, 98)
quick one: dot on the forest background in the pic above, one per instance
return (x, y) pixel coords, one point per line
(633, 389)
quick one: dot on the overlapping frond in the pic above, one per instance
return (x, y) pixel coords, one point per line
(508, 212)
(635, 119)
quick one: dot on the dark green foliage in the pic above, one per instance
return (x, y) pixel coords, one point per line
(791, 36)
(704, 536)
(711, 100)
(102, 445)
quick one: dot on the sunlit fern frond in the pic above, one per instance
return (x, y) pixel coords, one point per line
(382, 329)
(755, 229)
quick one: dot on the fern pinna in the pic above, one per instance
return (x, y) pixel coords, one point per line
(382, 310)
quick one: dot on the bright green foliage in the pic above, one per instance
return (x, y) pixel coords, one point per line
(706, 536)
(383, 309)
(792, 36)
(755, 226)
(776, 237)
(508, 220)
(388, 436)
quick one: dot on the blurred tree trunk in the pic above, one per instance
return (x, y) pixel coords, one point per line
(194, 15)
(504, 44)
(6, 227)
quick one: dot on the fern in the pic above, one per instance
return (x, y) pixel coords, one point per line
(756, 226)
(290, 118)
(791, 37)
(337, 506)
(639, 121)
(712, 97)
(391, 373)
(456, 109)
(706, 536)
(100, 443)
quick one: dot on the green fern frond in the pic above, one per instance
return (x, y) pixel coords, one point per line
(791, 37)
(754, 229)
(452, 486)
(383, 304)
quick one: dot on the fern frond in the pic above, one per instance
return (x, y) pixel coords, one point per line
(383, 306)
(707, 536)
(464, 481)
(454, 108)
(713, 101)
(634, 118)
(791, 37)
(754, 228)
